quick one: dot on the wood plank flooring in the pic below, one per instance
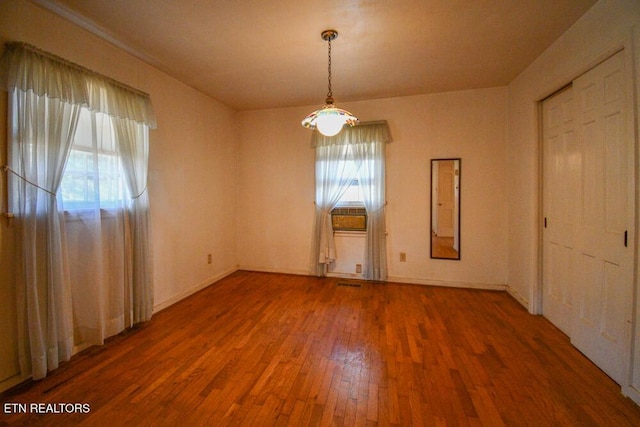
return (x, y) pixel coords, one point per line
(442, 247)
(273, 350)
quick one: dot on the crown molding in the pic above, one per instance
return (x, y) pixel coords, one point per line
(90, 26)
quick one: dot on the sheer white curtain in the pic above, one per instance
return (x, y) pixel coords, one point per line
(81, 272)
(371, 157)
(363, 146)
(93, 195)
(334, 174)
(41, 132)
(132, 141)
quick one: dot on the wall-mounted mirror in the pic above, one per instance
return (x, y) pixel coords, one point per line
(445, 208)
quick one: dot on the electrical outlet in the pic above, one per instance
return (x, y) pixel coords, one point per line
(403, 257)
(358, 268)
(209, 259)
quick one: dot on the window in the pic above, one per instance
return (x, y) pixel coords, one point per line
(350, 213)
(93, 176)
(97, 274)
(353, 195)
(350, 169)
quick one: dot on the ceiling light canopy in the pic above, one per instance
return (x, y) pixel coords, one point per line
(329, 119)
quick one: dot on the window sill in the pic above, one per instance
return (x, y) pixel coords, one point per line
(80, 214)
(350, 233)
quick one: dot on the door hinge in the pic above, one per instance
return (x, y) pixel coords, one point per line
(626, 234)
(545, 222)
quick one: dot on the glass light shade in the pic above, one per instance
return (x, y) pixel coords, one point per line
(329, 120)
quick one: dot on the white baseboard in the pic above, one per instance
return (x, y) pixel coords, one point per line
(446, 283)
(632, 393)
(16, 379)
(12, 381)
(164, 304)
(397, 279)
(346, 276)
(274, 270)
(518, 297)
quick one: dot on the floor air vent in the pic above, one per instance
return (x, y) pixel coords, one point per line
(353, 285)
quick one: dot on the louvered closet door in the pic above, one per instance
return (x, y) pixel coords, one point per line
(604, 274)
(562, 171)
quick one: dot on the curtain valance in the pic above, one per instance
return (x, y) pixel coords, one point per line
(363, 133)
(28, 68)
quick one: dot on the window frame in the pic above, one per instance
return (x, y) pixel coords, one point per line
(94, 150)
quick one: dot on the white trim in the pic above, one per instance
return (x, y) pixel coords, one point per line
(630, 390)
(357, 276)
(12, 381)
(261, 269)
(392, 279)
(161, 306)
(90, 26)
(350, 234)
(16, 379)
(537, 292)
(628, 46)
(520, 298)
(632, 393)
(447, 283)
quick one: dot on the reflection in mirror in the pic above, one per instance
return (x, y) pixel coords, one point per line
(445, 208)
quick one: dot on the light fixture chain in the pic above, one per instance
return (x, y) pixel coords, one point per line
(330, 93)
(329, 119)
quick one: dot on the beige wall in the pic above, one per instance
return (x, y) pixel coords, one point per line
(277, 183)
(240, 185)
(603, 29)
(193, 168)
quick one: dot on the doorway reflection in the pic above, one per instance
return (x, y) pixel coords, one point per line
(445, 208)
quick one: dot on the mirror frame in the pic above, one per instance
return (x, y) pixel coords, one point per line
(459, 204)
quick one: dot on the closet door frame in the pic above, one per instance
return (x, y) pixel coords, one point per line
(630, 46)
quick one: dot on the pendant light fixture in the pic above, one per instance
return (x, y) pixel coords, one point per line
(329, 119)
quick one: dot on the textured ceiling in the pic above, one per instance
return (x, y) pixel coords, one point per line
(257, 54)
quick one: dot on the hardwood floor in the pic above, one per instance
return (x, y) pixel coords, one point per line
(272, 349)
(442, 247)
